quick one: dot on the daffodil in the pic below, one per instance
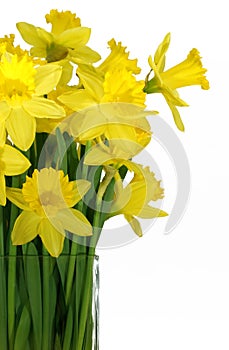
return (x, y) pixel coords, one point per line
(46, 201)
(189, 72)
(119, 58)
(67, 39)
(12, 162)
(112, 106)
(22, 90)
(133, 200)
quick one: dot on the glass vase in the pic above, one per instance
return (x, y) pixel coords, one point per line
(49, 303)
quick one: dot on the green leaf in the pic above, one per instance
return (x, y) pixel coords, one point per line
(33, 281)
(68, 329)
(3, 303)
(23, 330)
(62, 151)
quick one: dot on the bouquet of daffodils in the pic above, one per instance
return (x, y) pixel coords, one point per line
(70, 125)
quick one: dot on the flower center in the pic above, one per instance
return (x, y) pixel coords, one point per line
(47, 192)
(16, 79)
(56, 52)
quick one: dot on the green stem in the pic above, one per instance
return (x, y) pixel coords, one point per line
(71, 269)
(88, 286)
(2, 235)
(3, 315)
(87, 297)
(45, 301)
(12, 271)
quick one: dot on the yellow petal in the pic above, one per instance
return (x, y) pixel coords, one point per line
(2, 189)
(47, 78)
(25, 228)
(75, 37)
(21, 127)
(88, 124)
(31, 35)
(91, 80)
(176, 116)
(84, 54)
(80, 189)
(77, 100)
(15, 196)
(38, 51)
(97, 156)
(148, 212)
(128, 112)
(2, 133)
(159, 57)
(52, 238)
(134, 223)
(75, 222)
(4, 111)
(15, 162)
(40, 107)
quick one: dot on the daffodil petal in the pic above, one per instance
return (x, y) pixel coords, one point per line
(47, 78)
(176, 116)
(75, 37)
(2, 189)
(77, 100)
(25, 228)
(4, 111)
(2, 133)
(84, 54)
(148, 212)
(135, 224)
(97, 156)
(38, 51)
(21, 127)
(52, 238)
(30, 34)
(15, 162)
(159, 57)
(15, 196)
(75, 222)
(92, 80)
(80, 189)
(40, 107)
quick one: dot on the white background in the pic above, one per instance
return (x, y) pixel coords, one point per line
(166, 291)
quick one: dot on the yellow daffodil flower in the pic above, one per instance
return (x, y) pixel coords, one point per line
(189, 72)
(67, 39)
(119, 58)
(133, 200)
(112, 106)
(12, 162)
(22, 90)
(47, 200)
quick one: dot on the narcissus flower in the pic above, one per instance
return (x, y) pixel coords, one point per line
(133, 200)
(22, 90)
(67, 39)
(47, 200)
(112, 106)
(189, 72)
(12, 162)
